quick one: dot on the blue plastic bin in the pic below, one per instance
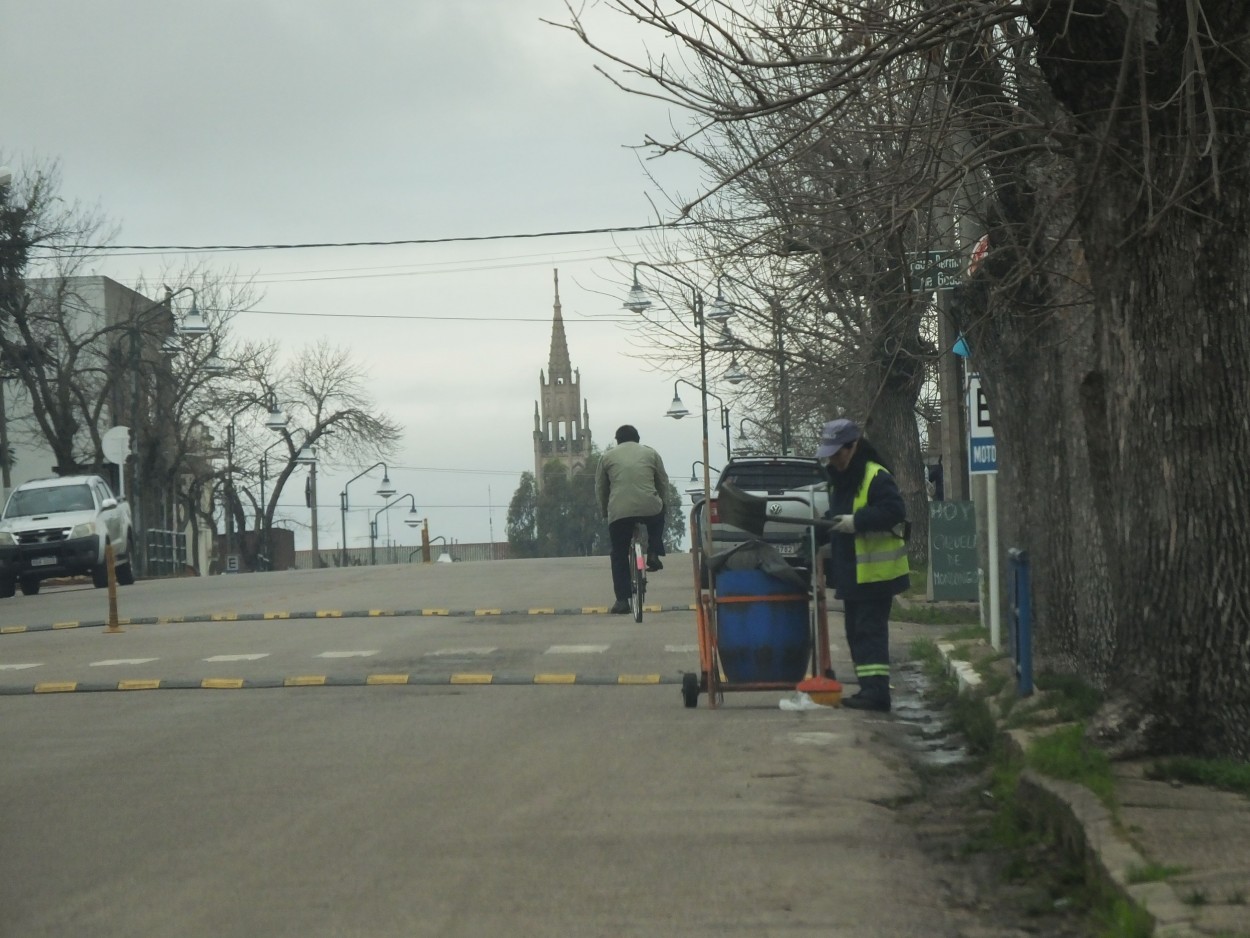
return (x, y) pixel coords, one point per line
(761, 640)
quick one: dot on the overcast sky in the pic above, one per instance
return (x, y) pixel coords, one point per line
(293, 121)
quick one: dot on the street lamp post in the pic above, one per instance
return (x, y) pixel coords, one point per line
(276, 421)
(636, 302)
(677, 410)
(264, 508)
(412, 521)
(385, 490)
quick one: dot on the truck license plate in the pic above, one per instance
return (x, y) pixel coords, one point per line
(42, 561)
(787, 549)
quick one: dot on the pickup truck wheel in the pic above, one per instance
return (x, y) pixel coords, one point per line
(125, 569)
(30, 586)
(7, 588)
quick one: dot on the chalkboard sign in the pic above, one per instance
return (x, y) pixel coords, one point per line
(953, 551)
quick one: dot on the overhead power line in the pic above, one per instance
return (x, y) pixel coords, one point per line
(117, 248)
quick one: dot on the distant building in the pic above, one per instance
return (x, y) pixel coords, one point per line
(561, 419)
(108, 343)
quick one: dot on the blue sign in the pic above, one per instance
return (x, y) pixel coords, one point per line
(982, 449)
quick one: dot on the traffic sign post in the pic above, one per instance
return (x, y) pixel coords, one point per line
(983, 460)
(934, 270)
(982, 449)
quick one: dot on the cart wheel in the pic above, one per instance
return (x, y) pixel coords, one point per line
(690, 690)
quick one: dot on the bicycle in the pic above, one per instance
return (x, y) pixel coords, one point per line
(638, 570)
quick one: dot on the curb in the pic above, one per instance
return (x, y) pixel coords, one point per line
(331, 614)
(1085, 827)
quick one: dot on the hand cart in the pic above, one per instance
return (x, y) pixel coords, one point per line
(716, 607)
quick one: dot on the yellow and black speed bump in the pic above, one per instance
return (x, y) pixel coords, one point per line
(329, 680)
(329, 614)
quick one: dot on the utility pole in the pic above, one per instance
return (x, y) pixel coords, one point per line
(312, 503)
(950, 390)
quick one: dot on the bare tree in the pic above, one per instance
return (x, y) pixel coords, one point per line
(324, 393)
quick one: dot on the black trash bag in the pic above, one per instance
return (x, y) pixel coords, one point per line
(756, 555)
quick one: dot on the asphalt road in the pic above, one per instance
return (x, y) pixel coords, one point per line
(440, 808)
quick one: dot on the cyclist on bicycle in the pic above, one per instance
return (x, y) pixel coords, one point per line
(630, 485)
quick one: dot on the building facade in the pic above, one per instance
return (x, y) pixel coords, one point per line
(108, 343)
(561, 418)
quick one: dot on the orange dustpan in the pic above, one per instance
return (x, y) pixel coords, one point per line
(822, 690)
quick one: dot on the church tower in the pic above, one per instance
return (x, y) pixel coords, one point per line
(561, 420)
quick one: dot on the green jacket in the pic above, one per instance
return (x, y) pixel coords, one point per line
(630, 482)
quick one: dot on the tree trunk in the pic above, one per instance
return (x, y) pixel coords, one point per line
(1163, 217)
(1171, 442)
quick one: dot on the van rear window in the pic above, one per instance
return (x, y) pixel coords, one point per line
(772, 478)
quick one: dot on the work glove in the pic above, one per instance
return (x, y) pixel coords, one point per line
(844, 524)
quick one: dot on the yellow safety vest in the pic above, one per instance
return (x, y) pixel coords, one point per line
(879, 555)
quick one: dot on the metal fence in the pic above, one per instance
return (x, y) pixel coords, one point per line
(166, 552)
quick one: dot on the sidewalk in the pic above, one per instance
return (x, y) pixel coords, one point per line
(1193, 841)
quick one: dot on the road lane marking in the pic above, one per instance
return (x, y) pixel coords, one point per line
(461, 652)
(113, 662)
(346, 654)
(681, 649)
(11, 629)
(256, 657)
(19, 667)
(576, 650)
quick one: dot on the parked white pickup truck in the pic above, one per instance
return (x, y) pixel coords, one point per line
(60, 527)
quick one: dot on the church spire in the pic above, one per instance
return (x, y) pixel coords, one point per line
(559, 368)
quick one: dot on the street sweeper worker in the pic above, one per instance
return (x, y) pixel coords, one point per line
(867, 566)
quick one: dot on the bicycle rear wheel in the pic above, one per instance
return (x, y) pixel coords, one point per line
(638, 571)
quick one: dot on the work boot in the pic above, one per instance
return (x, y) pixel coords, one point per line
(620, 607)
(653, 563)
(873, 694)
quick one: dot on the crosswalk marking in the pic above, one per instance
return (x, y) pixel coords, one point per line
(113, 662)
(576, 650)
(237, 657)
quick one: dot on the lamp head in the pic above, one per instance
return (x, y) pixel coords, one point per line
(677, 409)
(386, 490)
(276, 420)
(735, 374)
(637, 300)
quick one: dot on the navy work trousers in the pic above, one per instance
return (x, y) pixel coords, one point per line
(619, 533)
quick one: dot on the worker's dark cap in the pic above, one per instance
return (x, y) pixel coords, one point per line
(837, 434)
